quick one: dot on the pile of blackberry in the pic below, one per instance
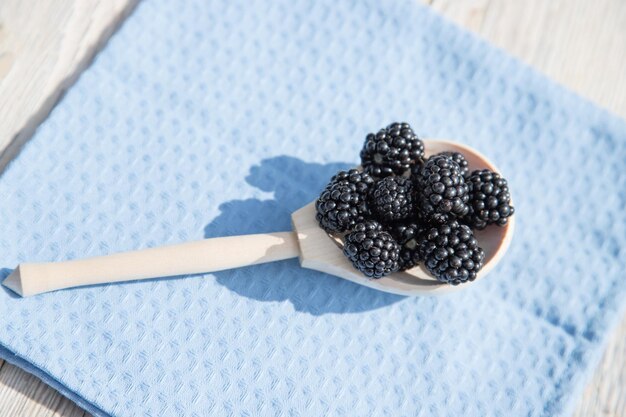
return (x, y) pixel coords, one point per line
(403, 209)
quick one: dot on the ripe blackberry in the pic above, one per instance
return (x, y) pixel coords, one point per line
(372, 250)
(451, 253)
(391, 199)
(443, 192)
(407, 235)
(343, 202)
(459, 159)
(490, 200)
(393, 150)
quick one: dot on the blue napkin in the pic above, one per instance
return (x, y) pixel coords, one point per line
(204, 119)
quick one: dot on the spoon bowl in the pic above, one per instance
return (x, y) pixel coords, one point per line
(324, 253)
(315, 248)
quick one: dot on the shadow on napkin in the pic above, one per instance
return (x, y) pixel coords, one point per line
(294, 184)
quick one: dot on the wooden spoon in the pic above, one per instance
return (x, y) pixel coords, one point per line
(315, 248)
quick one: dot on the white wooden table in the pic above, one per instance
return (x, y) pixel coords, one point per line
(45, 43)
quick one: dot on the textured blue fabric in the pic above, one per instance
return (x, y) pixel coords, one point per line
(221, 118)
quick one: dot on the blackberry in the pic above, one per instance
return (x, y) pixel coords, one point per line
(443, 192)
(343, 202)
(372, 250)
(407, 236)
(490, 200)
(393, 150)
(391, 199)
(459, 159)
(451, 253)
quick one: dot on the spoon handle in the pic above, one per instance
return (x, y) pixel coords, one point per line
(209, 255)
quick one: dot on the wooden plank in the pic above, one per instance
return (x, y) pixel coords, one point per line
(23, 395)
(44, 45)
(582, 45)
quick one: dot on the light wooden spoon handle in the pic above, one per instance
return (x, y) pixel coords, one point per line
(202, 256)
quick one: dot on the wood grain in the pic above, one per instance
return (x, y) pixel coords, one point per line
(45, 43)
(23, 395)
